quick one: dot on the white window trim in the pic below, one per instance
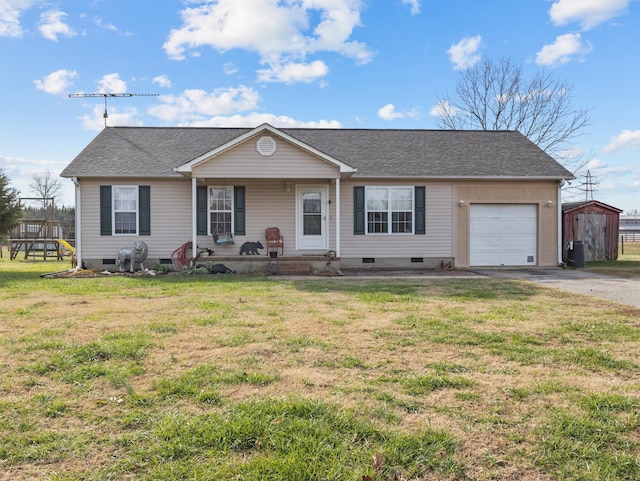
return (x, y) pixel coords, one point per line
(209, 210)
(389, 211)
(113, 210)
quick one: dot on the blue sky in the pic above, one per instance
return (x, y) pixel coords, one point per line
(314, 63)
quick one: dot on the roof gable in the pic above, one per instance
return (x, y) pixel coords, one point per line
(576, 206)
(255, 133)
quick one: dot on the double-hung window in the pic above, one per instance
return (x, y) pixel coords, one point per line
(125, 209)
(390, 210)
(221, 210)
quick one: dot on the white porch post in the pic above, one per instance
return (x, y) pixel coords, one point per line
(194, 218)
(338, 217)
(78, 233)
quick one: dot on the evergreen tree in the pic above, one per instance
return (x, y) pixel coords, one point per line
(10, 210)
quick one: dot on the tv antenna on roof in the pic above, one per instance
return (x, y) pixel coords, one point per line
(105, 115)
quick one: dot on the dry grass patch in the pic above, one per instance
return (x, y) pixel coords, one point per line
(240, 377)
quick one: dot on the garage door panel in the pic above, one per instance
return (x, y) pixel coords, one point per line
(503, 234)
(487, 227)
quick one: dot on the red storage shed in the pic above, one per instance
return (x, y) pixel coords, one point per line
(594, 223)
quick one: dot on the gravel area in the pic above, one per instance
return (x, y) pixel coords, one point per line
(617, 289)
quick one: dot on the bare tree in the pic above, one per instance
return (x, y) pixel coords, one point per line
(495, 95)
(46, 188)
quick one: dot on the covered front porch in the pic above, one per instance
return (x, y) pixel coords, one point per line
(261, 180)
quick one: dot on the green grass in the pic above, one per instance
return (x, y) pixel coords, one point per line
(246, 377)
(627, 264)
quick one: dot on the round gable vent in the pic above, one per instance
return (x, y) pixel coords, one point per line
(266, 146)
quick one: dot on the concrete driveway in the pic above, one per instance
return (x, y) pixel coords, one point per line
(617, 289)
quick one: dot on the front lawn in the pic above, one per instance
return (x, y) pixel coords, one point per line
(251, 378)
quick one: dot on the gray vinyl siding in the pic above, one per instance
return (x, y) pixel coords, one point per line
(268, 204)
(437, 242)
(244, 161)
(170, 219)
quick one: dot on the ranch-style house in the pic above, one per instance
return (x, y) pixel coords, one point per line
(347, 198)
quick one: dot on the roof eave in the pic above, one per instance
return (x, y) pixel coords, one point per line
(465, 177)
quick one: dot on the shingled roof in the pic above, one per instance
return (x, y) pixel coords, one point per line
(375, 153)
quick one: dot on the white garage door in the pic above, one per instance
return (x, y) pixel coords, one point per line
(503, 234)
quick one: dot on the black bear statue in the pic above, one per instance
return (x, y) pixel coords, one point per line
(251, 248)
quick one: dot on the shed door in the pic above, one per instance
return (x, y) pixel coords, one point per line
(592, 229)
(503, 234)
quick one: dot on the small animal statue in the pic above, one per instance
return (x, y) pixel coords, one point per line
(136, 255)
(251, 248)
(220, 269)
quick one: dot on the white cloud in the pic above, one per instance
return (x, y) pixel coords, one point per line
(255, 118)
(561, 51)
(281, 33)
(599, 168)
(163, 81)
(230, 68)
(196, 105)
(570, 154)
(20, 172)
(588, 13)
(95, 120)
(464, 54)
(388, 112)
(51, 25)
(10, 11)
(112, 83)
(444, 108)
(107, 26)
(294, 72)
(627, 139)
(414, 4)
(56, 82)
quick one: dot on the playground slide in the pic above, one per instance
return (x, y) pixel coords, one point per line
(66, 245)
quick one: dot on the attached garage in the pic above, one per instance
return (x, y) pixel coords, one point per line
(503, 234)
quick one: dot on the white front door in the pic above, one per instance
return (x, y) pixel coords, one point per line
(311, 217)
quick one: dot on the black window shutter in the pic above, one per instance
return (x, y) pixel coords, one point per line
(201, 210)
(420, 227)
(358, 210)
(105, 210)
(239, 220)
(144, 208)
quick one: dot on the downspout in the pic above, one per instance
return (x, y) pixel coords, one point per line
(78, 234)
(338, 217)
(194, 218)
(559, 203)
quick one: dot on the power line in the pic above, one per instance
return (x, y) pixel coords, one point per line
(105, 115)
